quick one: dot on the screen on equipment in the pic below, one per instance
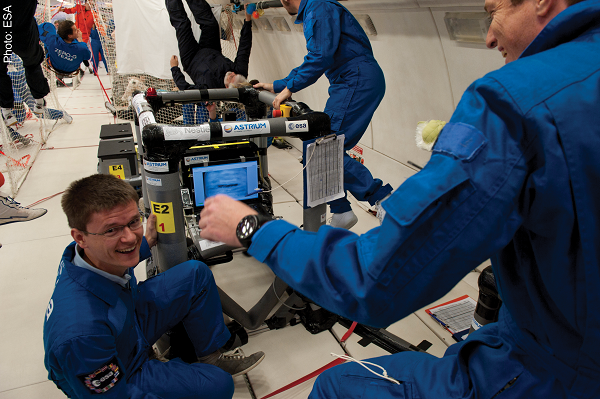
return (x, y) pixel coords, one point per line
(237, 180)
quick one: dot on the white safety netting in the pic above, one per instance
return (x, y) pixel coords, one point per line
(21, 142)
(138, 41)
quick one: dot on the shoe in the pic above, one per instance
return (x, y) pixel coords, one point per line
(10, 119)
(11, 211)
(379, 211)
(18, 140)
(343, 220)
(39, 108)
(236, 363)
(68, 118)
(91, 70)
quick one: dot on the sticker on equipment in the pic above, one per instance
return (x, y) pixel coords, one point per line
(103, 378)
(150, 166)
(198, 133)
(296, 126)
(245, 128)
(153, 181)
(191, 160)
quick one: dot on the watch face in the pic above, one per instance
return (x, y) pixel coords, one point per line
(247, 227)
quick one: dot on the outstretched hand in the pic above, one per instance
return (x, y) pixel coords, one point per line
(151, 234)
(281, 97)
(265, 86)
(220, 217)
(212, 110)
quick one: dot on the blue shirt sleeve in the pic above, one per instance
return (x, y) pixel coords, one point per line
(46, 30)
(440, 224)
(322, 30)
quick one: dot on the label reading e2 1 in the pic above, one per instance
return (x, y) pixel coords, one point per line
(165, 220)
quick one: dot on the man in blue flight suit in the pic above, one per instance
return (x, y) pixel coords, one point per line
(513, 177)
(100, 323)
(339, 48)
(65, 48)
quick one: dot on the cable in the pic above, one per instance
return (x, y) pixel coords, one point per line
(283, 303)
(318, 141)
(44, 199)
(362, 363)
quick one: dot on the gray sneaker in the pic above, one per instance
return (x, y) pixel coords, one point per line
(11, 211)
(19, 140)
(236, 363)
(39, 108)
(343, 220)
(10, 119)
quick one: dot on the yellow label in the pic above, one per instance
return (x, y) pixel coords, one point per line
(165, 221)
(117, 171)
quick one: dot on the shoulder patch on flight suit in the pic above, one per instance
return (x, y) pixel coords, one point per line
(104, 378)
(461, 141)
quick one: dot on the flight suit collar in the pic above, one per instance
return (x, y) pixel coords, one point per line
(300, 16)
(566, 26)
(103, 288)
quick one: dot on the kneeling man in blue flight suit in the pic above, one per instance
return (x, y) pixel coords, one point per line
(100, 323)
(65, 48)
(513, 177)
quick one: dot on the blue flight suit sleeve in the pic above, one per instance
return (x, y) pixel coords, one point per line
(46, 30)
(83, 50)
(144, 250)
(322, 30)
(440, 224)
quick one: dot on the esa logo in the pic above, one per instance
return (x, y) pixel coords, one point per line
(296, 126)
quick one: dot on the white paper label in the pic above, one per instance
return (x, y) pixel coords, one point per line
(198, 133)
(296, 126)
(156, 166)
(245, 128)
(145, 119)
(195, 159)
(153, 181)
(137, 101)
(207, 244)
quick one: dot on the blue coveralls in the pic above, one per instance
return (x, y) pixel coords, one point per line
(514, 176)
(97, 51)
(65, 57)
(98, 334)
(339, 48)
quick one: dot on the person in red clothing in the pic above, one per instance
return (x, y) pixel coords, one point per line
(84, 18)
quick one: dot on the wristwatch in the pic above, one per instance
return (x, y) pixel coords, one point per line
(248, 226)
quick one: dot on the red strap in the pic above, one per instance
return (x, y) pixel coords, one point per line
(349, 332)
(316, 372)
(305, 378)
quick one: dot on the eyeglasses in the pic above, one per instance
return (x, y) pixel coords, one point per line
(116, 231)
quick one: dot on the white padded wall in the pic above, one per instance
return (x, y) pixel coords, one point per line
(466, 62)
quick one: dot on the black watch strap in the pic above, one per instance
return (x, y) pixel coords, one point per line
(248, 226)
